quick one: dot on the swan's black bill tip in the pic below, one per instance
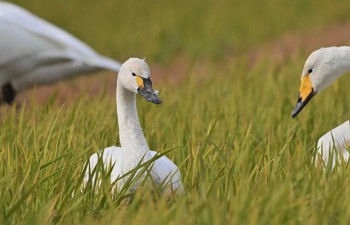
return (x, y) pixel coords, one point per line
(301, 104)
(149, 95)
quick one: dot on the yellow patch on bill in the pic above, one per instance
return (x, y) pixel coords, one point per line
(305, 88)
(139, 81)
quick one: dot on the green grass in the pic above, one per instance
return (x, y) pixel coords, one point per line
(242, 158)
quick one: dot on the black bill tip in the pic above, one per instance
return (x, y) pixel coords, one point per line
(150, 96)
(155, 99)
(301, 104)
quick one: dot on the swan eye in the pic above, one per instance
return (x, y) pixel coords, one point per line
(310, 70)
(133, 74)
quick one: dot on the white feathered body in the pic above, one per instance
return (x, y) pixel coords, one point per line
(334, 145)
(163, 170)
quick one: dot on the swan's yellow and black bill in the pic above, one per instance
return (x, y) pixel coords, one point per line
(306, 92)
(145, 89)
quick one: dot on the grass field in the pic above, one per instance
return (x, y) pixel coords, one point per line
(226, 122)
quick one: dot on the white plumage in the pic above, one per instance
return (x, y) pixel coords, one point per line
(333, 146)
(321, 69)
(164, 171)
(34, 51)
(134, 77)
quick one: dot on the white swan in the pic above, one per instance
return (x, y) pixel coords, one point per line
(133, 78)
(321, 69)
(34, 51)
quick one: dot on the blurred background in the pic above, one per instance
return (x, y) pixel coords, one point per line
(175, 32)
(162, 30)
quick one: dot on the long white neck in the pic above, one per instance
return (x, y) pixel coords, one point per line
(132, 140)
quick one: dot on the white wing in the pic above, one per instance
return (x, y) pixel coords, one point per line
(111, 155)
(168, 174)
(31, 43)
(334, 144)
(164, 171)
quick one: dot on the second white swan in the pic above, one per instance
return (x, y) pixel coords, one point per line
(321, 69)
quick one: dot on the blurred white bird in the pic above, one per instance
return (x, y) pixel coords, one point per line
(321, 69)
(34, 51)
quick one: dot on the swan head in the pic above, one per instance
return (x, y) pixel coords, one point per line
(134, 75)
(321, 69)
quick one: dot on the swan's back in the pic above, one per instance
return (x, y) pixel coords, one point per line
(168, 173)
(335, 143)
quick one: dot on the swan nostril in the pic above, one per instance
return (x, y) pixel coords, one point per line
(148, 92)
